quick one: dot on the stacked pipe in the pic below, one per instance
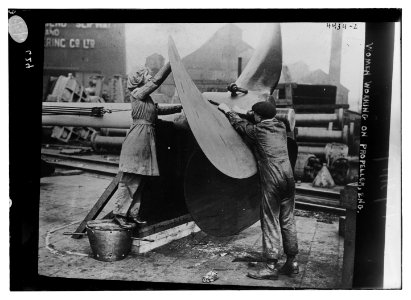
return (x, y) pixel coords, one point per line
(321, 128)
(314, 120)
(314, 131)
(108, 138)
(116, 120)
(323, 138)
(111, 138)
(99, 142)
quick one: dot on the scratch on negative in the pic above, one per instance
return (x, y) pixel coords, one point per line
(53, 249)
(221, 138)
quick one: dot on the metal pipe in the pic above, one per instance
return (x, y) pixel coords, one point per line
(286, 115)
(313, 119)
(310, 120)
(317, 151)
(119, 118)
(110, 141)
(318, 134)
(113, 132)
(313, 134)
(100, 141)
(308, 144)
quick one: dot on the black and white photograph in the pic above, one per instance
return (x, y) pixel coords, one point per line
(173, 152)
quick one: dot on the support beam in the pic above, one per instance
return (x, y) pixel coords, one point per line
(100, 204)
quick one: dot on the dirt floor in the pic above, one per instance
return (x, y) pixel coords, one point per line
(65, 201)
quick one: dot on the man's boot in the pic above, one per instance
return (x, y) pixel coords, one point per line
(290, 267)
(268, 272)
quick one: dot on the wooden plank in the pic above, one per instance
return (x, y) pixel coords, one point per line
(144, 231)
(317, 200)
(100, 204)
(222, 145)
(164, 237)
(329, 192)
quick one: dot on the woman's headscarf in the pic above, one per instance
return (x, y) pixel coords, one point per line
(137, 78)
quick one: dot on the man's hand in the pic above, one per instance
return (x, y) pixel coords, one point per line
(224, 108)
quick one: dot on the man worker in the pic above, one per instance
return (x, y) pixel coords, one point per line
(138, 158)
(268, 141)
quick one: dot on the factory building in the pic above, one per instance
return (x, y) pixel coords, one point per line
(300, 73)
(83, 50)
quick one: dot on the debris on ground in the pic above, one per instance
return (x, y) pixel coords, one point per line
(75, 151)
(201, 243)
(210, 277)
(252, 264)
(249, 256)
(67, 173)
(323, 217)
(110, 158)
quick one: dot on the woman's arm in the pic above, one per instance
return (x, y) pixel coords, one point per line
(152, 84)
(169, 109)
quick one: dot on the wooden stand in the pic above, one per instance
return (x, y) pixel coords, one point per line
(146, 237)
(349, 202)
(98, 207)
(162, 233)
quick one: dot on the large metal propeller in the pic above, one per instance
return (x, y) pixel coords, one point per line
(263, 71)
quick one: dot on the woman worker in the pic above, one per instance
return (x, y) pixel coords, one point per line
(138, 157)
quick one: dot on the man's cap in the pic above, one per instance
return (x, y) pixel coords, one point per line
(265, 109)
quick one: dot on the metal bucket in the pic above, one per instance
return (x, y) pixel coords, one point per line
(109, 241)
